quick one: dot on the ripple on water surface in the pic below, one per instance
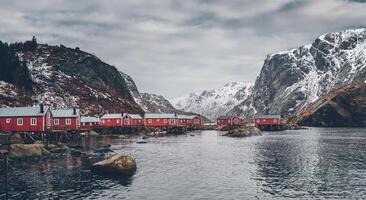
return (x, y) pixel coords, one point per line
(316, 163)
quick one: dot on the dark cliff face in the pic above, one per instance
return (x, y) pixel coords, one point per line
(343, 107)
(289, 81)
(65, 77)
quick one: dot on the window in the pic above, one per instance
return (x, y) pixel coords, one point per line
(149, 121)
(172, 121)
(117, 120)
(165, 121)
(68, 121)
(56, 122)
(196, 121)
(33, 121)
(126, 121)
(20, 121)
(8, 120)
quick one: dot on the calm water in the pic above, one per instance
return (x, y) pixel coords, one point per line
(304, 164)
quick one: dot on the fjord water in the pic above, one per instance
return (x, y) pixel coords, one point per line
(326, 163)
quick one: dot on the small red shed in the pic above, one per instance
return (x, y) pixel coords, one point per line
(89, 123)
(267, 120)
(32, 119)
(112, 120)
(132, 120)
(229, 121)
(66, 119)
(161, 120)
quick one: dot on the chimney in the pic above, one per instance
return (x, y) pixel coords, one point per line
(74, 111)
(175, 114)
(41, 108)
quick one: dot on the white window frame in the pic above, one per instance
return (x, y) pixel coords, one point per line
(20, 121)
(8, 120)
(56, 121)
(33, 121)
(149, 121)
(68, 121)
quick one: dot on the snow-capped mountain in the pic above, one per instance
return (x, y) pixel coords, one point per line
(289, 81)
(215, 102)
(64, 77)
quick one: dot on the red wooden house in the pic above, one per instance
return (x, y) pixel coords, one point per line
(66, 119)
(229, 121)
(267, 120)
(132, 120)
(190, 120)
(29, 119)
(89, 123)
(111, 120)
(160, 120)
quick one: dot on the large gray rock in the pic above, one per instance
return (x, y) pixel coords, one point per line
(117, 165)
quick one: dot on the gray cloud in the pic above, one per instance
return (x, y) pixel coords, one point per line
(174, 47)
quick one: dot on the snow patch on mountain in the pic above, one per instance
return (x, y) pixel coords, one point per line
(215, 102)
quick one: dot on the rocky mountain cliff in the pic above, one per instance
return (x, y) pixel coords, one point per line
(289, 81)
(215, 102)
(344, 106)
(66, 77)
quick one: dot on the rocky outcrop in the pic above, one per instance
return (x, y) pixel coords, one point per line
(243, 131)
(117, 165)
(342, 107)
(27, 151)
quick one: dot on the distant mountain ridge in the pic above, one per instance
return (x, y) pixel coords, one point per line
(291, 80)
(215, 102)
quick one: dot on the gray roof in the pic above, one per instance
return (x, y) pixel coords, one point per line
(89, 119)
(226, 117)
(186, 116)
(268, 117)
(65, 113)
(22, 111)
(135, 116)
(112, 116)
(159, 115)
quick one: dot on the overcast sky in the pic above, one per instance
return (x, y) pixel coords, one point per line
(175, 47)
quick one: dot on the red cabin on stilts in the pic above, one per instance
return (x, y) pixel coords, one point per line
(89, 123)
(230, 121)
(66, 119)
(111, 120)
(190, 121)
(161, 120)
(132, 120)
(26, 119)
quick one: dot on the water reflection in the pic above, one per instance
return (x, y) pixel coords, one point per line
(323, 163)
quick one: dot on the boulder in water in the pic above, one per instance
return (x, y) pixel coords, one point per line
(117, 165)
